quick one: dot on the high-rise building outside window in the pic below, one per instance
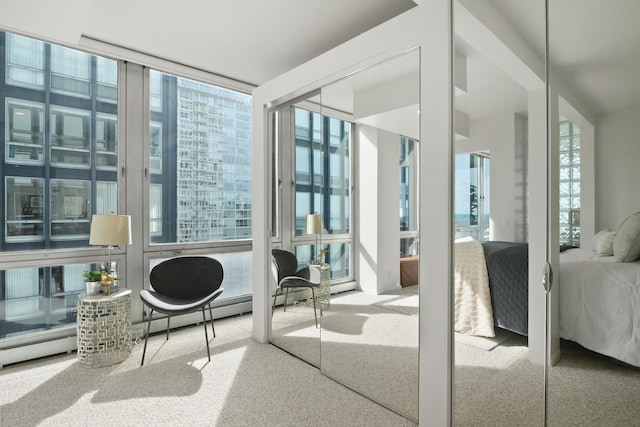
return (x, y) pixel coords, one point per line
(200, 161)
(60, 142)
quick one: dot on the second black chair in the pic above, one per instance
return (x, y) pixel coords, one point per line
(180, 286)
(289, 276)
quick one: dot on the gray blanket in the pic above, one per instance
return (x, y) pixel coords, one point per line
(507, 267)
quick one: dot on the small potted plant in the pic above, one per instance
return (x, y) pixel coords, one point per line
(93, 281)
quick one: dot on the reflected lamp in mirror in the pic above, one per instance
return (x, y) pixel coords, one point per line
(110, 230)
(314, 226)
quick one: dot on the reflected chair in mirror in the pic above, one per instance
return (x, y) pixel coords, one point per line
(290, 277)
(183, 285)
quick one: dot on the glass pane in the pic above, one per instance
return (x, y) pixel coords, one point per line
(70, 209)
(70, 71)
(24, 209)
(25, 132)
(106, 142)
(335, 254)
(409, 246)
(408, 187)
(471, 204)
(199, 155)
(41, 298)
(322, 170)
(237, 273)
(25, 61)
(56, 134)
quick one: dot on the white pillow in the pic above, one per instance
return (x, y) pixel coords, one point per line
(626, 245)
(603, 242)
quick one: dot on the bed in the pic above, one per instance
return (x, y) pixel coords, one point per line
(600, 304)
(599, 297)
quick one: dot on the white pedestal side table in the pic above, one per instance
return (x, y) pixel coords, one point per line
(323, 292)
(104, 328)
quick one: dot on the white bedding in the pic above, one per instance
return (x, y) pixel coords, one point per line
(600, 304)
(473, 312)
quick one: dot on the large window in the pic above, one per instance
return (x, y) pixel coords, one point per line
(569, 183)
(471, 206)
(58, 145)
(322, 185)
(200, 161)
(62, 159)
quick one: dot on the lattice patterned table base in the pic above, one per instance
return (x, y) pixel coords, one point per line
(104, 329)
(323, 293)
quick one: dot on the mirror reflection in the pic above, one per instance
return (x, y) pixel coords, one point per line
(500, 117)
(336, 217)
(370, 334)
(595, 68)
(593, 110)
(301, 275)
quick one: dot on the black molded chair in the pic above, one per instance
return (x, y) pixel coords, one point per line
(289, 276)
(180, 286)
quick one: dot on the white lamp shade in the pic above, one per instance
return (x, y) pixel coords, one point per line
(314, 224)
(110, 230)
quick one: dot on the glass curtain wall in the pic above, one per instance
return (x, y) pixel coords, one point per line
(60, 153)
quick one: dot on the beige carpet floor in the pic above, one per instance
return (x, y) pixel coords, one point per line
(245, 384)
(251, 384)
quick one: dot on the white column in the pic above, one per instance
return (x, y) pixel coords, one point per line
(436, 215)
(379, 195)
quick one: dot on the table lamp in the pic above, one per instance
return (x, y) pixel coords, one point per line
(110, 230)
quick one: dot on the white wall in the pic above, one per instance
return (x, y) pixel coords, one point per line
(504, 137)
(617, 164)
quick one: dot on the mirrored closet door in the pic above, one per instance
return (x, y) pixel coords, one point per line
(594, 50)
(369, 337)
(297, 132)
(499, 205)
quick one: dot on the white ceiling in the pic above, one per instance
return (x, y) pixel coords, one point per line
(594, 44)
(251, 41)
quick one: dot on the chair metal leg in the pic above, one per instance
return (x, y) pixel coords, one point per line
(211, 319)
(273, 307)
(168, 327)
(206, 335)
(315, 314)
(286, 298)
(146, 337)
